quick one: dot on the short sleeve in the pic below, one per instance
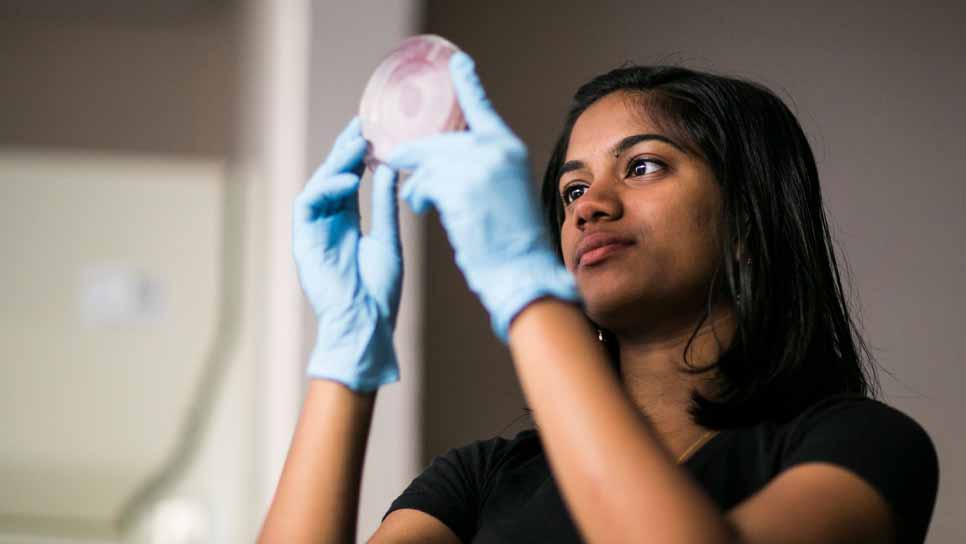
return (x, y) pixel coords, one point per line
(880, 444)
(452, 488)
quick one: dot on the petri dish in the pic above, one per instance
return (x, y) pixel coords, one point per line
(409, 96)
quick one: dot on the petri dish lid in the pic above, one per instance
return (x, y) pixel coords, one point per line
(409, 96)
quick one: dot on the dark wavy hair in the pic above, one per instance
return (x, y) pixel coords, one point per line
(795, 340)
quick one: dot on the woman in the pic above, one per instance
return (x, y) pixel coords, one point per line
(691, 364)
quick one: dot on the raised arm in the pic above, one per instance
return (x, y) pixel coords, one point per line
(353, 283)
(318, 494)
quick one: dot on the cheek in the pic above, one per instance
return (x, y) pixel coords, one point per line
(568, 241)
(705, 219)
(696, 235)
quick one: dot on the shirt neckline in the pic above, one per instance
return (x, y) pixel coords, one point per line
(707, 448)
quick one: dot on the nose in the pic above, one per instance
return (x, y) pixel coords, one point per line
(600, 202)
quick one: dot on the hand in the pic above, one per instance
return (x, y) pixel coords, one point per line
(353, 282)
(480, 183)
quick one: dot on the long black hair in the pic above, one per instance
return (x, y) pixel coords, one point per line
(795, 341)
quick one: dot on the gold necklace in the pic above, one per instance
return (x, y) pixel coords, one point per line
(697, 443)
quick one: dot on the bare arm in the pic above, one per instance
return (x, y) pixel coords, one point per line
(621, 483)
(556, 358)
(318, 494)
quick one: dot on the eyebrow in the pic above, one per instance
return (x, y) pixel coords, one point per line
(619, 148)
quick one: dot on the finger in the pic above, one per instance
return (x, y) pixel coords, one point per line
(348, 150)
(326, 195)
(417, 191)
(411, 155)
(477, 109)
(385, 211)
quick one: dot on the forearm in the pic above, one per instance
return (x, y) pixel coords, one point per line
(318, 493)
(620, 482)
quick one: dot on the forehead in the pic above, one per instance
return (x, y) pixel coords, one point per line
(607, 121)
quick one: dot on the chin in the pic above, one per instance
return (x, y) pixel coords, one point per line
(605, 305)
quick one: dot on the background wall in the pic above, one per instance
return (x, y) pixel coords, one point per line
(157, 77)
(878, 87)
(254, 91)
(114, 104)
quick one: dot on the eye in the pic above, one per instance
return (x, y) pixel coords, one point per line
(641, 167)
(572, 192)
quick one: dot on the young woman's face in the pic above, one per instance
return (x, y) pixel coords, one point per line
(640, 218)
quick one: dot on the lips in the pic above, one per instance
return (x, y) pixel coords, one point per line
(597, 246)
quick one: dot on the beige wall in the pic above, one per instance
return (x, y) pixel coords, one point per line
(260, 87)
(129, 113)
(879, 91)
(157, 79)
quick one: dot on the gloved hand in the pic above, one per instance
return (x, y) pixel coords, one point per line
(480, 183)
(353, 282)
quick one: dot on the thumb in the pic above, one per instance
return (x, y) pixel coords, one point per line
(476, 107)
(385, 210)
(415, 192)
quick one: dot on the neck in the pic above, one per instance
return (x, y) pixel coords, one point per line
(652, 369)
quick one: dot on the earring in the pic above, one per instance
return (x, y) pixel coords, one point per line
(600, 336)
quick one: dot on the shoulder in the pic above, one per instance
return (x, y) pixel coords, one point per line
(877, 442)
(848, 402)
(457, 482)
(492, 454)
(863, 429)
(859, 421)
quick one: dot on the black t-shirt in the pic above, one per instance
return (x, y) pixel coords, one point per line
(502, 490)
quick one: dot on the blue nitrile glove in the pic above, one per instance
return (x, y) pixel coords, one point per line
(353, 282)
(480, 183)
